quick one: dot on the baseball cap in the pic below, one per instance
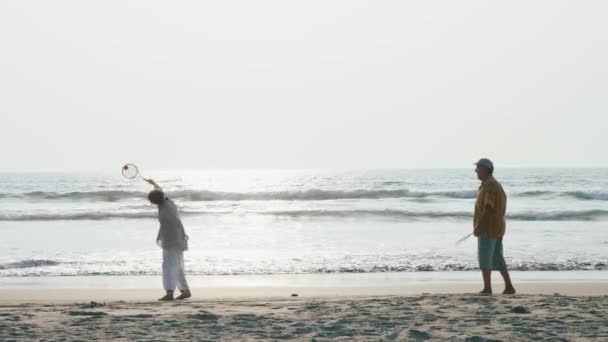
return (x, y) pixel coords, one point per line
(486, 162)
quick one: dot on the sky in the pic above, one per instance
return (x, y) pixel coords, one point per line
(90, 85)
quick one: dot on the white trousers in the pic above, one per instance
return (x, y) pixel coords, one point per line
(173, 270)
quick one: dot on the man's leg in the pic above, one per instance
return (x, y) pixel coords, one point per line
(499, 260)
(182, 284)
(509, 289)
(487, 281)
(485, 250)
(169, 275)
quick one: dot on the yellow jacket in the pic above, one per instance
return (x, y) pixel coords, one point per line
(490, 209)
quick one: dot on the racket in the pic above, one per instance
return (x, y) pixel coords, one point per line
(463, 239)
(131, 171)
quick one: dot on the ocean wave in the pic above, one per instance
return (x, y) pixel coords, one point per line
(204, 195)
(593, 195)
(536, 193)
(582, 215)
(102, 195)
(305, 195)
(29, 264)
(579, 195)
(396, 214)
(568, 215)
(95, 216)
(58, 216)
(40, 269)
(452, 267)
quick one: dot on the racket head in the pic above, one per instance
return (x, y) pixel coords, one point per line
(130, 171)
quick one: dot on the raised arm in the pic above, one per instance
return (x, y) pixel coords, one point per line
(153, 183)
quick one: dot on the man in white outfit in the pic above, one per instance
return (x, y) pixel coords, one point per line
(173, 240)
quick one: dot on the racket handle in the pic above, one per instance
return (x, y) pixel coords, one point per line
(463, 239)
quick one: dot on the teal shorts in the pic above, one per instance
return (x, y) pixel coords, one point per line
(489, 253)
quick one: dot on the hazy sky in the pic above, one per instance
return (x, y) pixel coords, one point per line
(302, 84)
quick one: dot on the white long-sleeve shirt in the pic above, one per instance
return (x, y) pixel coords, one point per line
(171, 234)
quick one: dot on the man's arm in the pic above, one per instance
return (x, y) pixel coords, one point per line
(487, 207)
(153, 183)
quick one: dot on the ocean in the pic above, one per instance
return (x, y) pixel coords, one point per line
(282, 222)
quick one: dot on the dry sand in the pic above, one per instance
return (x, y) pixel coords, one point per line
(339, 314)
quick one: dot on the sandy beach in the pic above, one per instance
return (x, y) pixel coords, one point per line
(568, 311)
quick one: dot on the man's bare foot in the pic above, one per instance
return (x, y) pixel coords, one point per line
(167, 297)
(184, 295)
(486, 292)
(509, 290)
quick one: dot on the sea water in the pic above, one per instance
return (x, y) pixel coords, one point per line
(281, 222)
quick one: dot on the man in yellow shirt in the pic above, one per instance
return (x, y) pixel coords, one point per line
(489, 226)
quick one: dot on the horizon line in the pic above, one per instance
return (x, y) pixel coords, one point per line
(219, 169)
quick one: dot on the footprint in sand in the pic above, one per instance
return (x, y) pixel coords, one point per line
(418, 335)
(204, 316)
(478, 339)
(92, 305)
(87, 313)
(520, 310)
(139, 316)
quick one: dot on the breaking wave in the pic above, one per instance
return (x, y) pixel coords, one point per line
(580, 195)
(28, 264)
(204, 195)
(306, 195)
(32, 268)
(582, 215)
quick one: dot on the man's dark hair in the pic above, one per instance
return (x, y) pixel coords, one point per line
(156, 196)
